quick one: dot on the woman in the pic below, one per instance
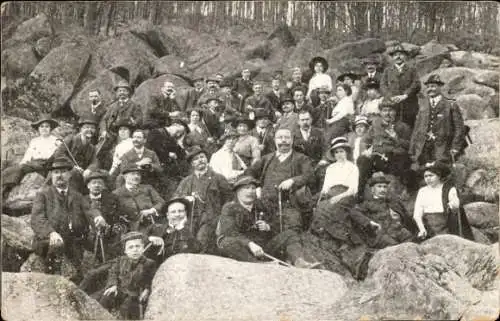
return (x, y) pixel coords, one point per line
(198, 131)
(246, 146)
(36, 157)
(339, 122)
(319, 66)
(124, 144)
(140, 204)
(437, 208)
(352, 80)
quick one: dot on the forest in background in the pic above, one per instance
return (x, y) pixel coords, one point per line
(474, 25)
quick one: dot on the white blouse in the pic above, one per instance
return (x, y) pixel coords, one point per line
(120, 150)
(344, 107)
(342, 173)
(40, 148)
(221, 162)
(429, 200)
(317, 81)
(371, 106)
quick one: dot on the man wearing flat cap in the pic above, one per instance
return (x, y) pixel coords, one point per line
(247, 229)
(60, 217)
(400, 84)
(208, 191)
(439, 132)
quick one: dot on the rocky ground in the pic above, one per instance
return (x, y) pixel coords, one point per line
(443, 278)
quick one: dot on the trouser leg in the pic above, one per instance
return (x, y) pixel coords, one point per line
(232, 247)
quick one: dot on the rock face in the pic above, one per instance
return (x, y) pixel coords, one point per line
(482, 214)
(35, 296)
(201, 287)
(488, 78)
(170, 64)
(427, 63)
(433, 48)
(305, 50)
(474, 107)
(428, 281)
(475, 60)
(19, 60)
(32, 29)
(21, 197)
(17, 236)
(62, 70)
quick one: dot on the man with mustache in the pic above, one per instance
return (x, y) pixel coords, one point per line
(439, 132)
(60, 219)
(285, 174)
(208, 191)
(242, 88)
(80, 147)
(307, 139)
(97, 108)
(165, 103)
(258, 102)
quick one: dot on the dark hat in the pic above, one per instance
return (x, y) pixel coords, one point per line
(182, 200)
(434, 79)
(378, 178)
(199, 78)
(212, 97)
(130, 167)
(102, 174)
(439, 168)
(61, 163)
(89, 119)
(397, 48)
(387, 102)
(212, 78)
(337, 142)
(193, 151)
(134, 235)
(371, 61)
(230, 132)
(122, 84)
(245, 180)
(315, 60)
(124, 123)
(372, 84)
(351, 74)
(226, 83)
(361, 119)
(261, 113)
(286, 98)
(45, 118)
(182, 123)
(245, 120)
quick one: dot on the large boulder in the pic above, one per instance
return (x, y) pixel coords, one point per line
(31, 30)
(62, 70)
(18, 61)
(225, 289)
(303, 52)
(21, 197)
(36, 296)
(17, 236)
(428, 63)
(475, 60)
(226, 60)
(413, 50)
(433, 48)
(161, 43)
(43, 46)
(170, 64)
(482, 214)
(488, 78)
(483, 182)
(357, 49)
(438, 280)
(480, 236)
(474, 106)
(129, 52)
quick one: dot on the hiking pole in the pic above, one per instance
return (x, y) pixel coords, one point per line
(102, 248)
(69, 152)
(277, 260)
(452, 159)
(141, 311)
(280, 209)
(459, 218)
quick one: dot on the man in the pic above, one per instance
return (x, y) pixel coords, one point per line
(296, 81)
(60, 219)
(439, 132)
(258, 101)
(299, 99)
(390, 141)
(243, 87)
(212, 85)
(289, 118)
(264, 131)
(230, 103)
(212, 116)
(308, 140)
(400, 84)
(371, 65)
(275, 95)
(285, 176)
(323, 111)
(143, 157)
(79, 148)
(164, 103)
(246, 227)
(194, 94)
(208, 191)
(225, 161)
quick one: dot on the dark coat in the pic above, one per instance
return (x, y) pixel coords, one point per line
(363, 145)
(385, 144)
(132, 157)
(160, 141)
(448, 128)
(394, 83)
(313, 147)
(242, 87)
(145, 197)
(117, 113)
(85, 155)
(321, 113)
(161, 105)
(214, 126)
(50, 214)
(176, 241)
(275, 99)
(261, 103)
(192, 98)
(267, 140)
(131, 277)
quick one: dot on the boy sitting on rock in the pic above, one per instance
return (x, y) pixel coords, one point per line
(129, 279)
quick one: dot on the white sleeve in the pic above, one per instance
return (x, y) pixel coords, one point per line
(353, 181)
(329, 176)
(28, 154)
(453, 198)
(418, 211)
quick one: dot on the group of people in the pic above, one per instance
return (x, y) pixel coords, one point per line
(242, 172)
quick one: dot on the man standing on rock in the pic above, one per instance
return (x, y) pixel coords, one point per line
(400, 85)
(439, 132)
(60, 219)
(247, 229)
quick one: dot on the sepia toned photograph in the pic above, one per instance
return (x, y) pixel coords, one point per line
(250, 160)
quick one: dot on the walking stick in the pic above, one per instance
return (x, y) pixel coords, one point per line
(141, 311)
(102, 249)
(69, 152)
(459, 219)
(277, 260)
(452, 160)
(280, 210)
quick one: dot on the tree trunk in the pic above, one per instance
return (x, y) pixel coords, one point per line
(90, 17)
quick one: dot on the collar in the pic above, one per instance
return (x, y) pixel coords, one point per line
(130, 188)
(283, 156)
(60, 190)
(179, 226)
(400, 67)
(94, 107)
(200, 174)
(123, 100)
(436, 99)
(261, 130)
(371, 74)
(97, 197)
(247, 207)
(140, 150)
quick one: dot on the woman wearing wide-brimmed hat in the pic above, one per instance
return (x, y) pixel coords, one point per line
(339, 121)
(438, 209)
(35, 159)
(320, 78)
(247, 146)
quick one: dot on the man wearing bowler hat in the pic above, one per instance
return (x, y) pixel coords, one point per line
(208, 191)
(60, 218)
(439, 131)
(264, 131)
(258, 101)
(400, 84)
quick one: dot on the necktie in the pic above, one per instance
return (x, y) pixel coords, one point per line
(235, 163)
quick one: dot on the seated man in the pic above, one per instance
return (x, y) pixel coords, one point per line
(264, 131)
(307, 139)
(246, 227)
(225, 161)
(129, 279)
(174, 234)
(36, 158)
(60, 220)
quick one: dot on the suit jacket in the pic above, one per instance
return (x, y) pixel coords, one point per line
(85, 155)
(118, 112)
(176, 241)
(321, 113)
(383, 143)
(447, 126)
(144, 197)
(132, 157)
(215, 192)
(160, 141)
(313, 147)
(108, 207)
(161, 105)
(50, 213)
(214, 126)
(267, 140)
(192, 98)
(363, 145)
(131, 277)
(242, 87)
(262, 103)
(275, 99)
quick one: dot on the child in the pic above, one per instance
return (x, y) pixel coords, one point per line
(129, 279)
